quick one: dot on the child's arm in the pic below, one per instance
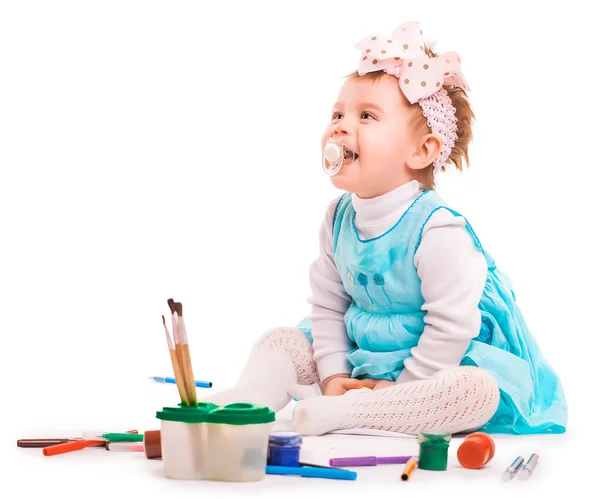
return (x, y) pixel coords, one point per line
(453, 273)
(329, 302)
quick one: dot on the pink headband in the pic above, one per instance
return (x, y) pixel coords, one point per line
(421, 78)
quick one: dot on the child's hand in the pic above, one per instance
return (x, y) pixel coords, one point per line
(340, 384)
(383, 383)
(377, 384)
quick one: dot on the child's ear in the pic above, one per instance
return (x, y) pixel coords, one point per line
(425, 153)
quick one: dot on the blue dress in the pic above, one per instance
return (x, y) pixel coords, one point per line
(385, 319)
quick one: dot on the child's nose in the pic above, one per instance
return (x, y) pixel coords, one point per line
(341, 128)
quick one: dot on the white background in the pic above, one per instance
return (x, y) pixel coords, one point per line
(151, 150)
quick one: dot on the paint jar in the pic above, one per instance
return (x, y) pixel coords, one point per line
(152, 446)
(476, 450)
(184, 441)
(433, 450)
(284, 448)
(239, 442)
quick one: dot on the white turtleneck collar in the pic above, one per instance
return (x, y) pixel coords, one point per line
(376, 215)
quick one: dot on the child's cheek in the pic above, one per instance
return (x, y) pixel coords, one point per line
(377, 147)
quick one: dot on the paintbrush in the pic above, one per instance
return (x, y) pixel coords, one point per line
(185, 355)
(179, 378)
(177, 341)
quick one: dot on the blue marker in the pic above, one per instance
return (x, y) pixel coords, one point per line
(160, 379)
(308, 472)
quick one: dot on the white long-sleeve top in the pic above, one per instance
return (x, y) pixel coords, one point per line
(452, 273)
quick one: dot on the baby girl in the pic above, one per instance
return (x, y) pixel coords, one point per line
(413, 327)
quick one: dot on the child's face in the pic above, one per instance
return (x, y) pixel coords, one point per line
(374, 120)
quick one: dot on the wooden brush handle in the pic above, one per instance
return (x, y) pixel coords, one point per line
(190, 382)
(179, 378)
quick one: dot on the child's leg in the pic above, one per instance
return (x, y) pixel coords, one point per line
(280, 365)
(452, 401)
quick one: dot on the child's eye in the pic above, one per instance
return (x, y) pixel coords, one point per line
(365, 116)
(336, 116)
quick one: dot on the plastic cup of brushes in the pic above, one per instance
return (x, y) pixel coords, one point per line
(184, 441)
(210, 442)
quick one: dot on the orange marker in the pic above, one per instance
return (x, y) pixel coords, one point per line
(410, 466)
(54, 450)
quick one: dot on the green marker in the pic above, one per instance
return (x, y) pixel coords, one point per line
(123, 437)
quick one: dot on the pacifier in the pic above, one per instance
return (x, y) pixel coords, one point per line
(334, 155)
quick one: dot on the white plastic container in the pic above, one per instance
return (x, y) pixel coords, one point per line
(208, 442)
(239, 442)
(184, 441)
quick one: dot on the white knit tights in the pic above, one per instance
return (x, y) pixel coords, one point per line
(281, 365)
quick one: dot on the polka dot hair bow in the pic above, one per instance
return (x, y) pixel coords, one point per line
(420, 77)
(403, 55)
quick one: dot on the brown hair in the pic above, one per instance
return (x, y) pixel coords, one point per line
(464, 115)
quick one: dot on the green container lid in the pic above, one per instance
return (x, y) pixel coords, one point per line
(240, 413)
(187, 414)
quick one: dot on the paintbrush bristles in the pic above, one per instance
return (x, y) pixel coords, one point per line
(171, 304)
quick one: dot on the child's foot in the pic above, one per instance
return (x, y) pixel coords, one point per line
(320, 415)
